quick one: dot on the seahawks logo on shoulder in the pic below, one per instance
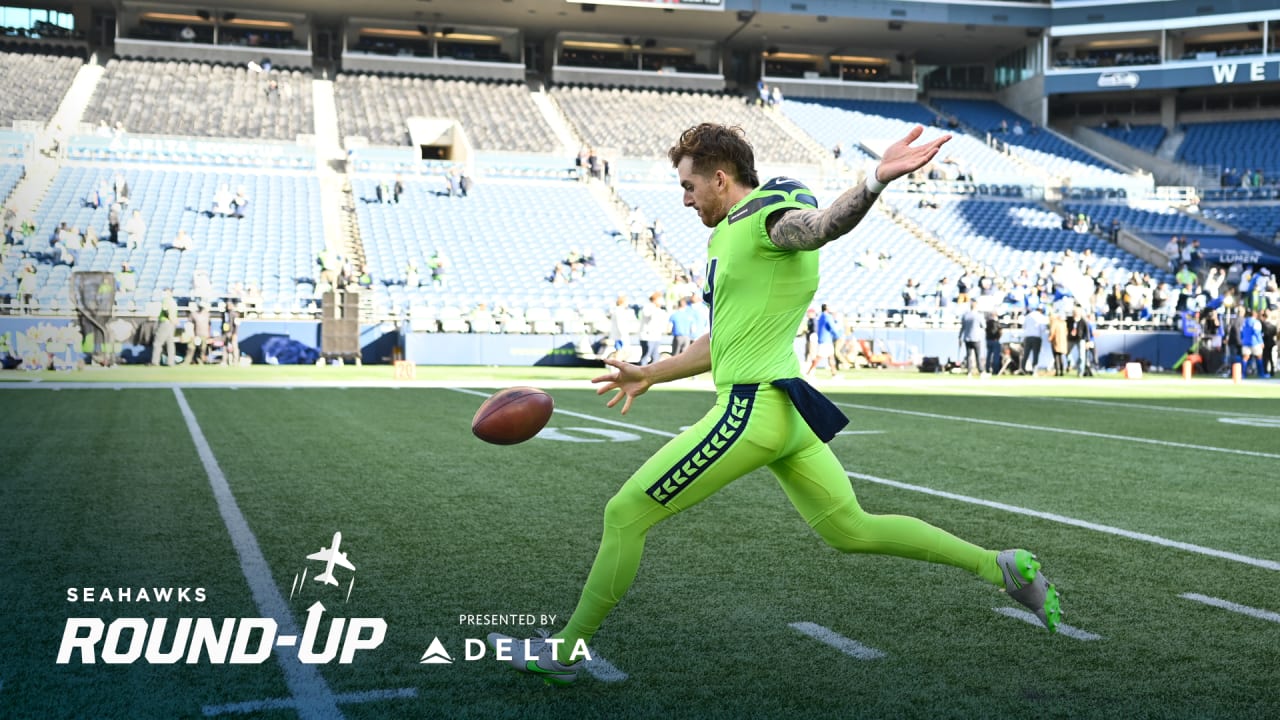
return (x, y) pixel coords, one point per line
(779, 189)
(796, 189)
(785, 184)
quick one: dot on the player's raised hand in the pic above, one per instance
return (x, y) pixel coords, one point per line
(902, 157)
(629, 380)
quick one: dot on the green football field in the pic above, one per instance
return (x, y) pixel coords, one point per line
(1153, 504)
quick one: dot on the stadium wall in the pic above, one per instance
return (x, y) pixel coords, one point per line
(379, 343)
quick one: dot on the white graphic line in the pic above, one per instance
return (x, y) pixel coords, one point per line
(852, 648)
(1054, 517)
(603, 670)
(1031, 619)
(253, 706)
(1233, 607)
(1065, 431)
(310, 692)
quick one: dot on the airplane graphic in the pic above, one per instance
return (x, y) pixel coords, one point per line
(330, 556)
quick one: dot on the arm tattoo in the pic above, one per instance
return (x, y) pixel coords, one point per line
(811, 229)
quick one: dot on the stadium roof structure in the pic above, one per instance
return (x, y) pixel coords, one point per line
(929, 32)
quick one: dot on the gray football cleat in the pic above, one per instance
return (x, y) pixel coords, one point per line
(536, 656)
(1025, 583)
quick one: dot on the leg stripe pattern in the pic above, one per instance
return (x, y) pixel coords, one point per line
(726, 431)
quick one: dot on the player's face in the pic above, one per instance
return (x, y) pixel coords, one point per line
(703, 193)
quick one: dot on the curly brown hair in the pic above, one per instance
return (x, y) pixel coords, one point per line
(717, 147)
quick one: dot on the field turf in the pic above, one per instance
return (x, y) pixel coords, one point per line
(1153, 504)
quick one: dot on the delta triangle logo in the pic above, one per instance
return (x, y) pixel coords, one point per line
(435, 654)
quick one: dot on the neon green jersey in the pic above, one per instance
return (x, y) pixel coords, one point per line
(758, 293)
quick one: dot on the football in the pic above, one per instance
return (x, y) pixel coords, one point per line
(512, 416)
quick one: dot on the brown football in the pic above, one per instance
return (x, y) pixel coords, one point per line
(512, 416)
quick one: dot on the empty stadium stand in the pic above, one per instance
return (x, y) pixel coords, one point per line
(1146, 138)
(1009, 236)
(33, 83)
(645, 123)
(171, 97)
(495, 115)
(272, 250)
(1261, 220)
(500, 243)
(1239, 145)
(877, 124)
(10, 174)
(1039, 147)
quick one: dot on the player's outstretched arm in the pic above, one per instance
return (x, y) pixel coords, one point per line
(632, 381)
(811, 229)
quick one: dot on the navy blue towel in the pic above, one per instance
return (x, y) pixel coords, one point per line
(823, 417)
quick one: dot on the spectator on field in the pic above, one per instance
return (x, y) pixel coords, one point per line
(973, 329)
(1034, 325)
(623, 325)
(231, 331)
(682, 320)
(1269, 337)
(654, 324)
(992, 334)
(828, 333)
(198, 348)
(1251, 344)
(166, 327)
(1058, 342)
(701, 316)
(1084, 336)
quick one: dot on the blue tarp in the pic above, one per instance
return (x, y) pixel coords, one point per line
(280, 350)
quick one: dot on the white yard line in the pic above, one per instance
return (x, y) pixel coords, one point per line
(254, 706)
(1053, 517)
(310, 694)
(1132, 405)
(1063, 431)
(1063, 519)
(1267, 615)
(603, 670)
(852, 648)
(1063, 629)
